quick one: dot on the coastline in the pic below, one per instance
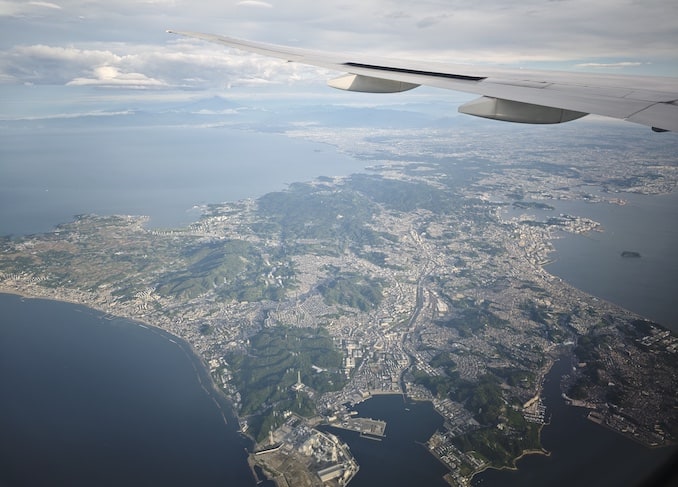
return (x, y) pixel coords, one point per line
(574, 250)
(221, 401)
(191, 352)
(114, 387)
(126, 311)
(625, 434)
(513, 467)
(203, 375)
(186, 347)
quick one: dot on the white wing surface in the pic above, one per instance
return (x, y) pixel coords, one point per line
(514, 95)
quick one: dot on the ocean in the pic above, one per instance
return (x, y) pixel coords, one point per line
(93, 400)
(51, 174)
(592, 262)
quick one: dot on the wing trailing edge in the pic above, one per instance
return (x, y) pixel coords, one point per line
(514, 95)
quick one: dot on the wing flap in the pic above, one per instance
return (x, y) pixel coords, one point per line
(416, 72)
(663, 116)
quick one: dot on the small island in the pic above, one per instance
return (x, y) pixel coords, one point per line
(630, 254)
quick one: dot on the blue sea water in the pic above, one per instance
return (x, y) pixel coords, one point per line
(581, 452)
(400, 459)
(88, 400)
(593, 262)
(50, 174)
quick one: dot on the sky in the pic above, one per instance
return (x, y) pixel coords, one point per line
(123, 44)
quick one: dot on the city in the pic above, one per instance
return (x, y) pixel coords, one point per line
(418, 278)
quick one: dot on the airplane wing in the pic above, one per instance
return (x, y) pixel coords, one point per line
(513, 95)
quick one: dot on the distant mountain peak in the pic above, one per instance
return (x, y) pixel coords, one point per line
(213, 104)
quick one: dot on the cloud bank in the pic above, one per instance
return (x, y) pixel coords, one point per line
(123, 43)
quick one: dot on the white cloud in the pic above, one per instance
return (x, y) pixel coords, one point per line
(41, 52)
(254, 3)
(12, 8)
(62, 116)
(46, 5)
(624, 64)
(181, 64)
(110, 76)
(42, 64)
(70, 39)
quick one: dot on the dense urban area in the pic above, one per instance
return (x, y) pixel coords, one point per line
(423, 276)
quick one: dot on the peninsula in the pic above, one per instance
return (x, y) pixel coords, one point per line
(410, 279)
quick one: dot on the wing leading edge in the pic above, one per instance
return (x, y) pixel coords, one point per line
(524, 96)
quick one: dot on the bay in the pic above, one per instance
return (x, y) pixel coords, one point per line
(581, 452)
(88, 400)
(647, 224)
(592, 262)
(400, 459)
(51, 174)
